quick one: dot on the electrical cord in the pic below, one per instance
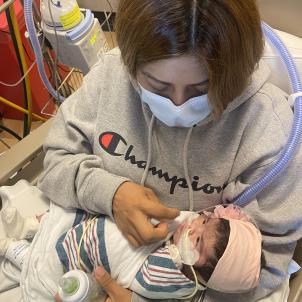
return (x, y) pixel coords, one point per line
(24, 65)
(28, 71)
(50, 63)
(14, 40)
(11, 132)
(56, 50)
(108, 23)
(13, 105)
(21, 79)
(17, 42)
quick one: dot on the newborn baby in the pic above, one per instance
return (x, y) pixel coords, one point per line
(219, 250)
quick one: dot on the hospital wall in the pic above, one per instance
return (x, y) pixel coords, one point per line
(282, 14)
(285, 15)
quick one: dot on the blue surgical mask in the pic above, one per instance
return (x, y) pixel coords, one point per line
(188, 114)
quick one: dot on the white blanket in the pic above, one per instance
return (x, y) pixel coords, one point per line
(42, 268)
(30, 202)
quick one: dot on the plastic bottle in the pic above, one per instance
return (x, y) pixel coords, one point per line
(17, 251)
(77, 286)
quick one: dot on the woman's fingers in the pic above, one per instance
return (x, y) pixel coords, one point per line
(116, 292)
(133, 206)
(133, 241)
(159, 211)
(57, 298)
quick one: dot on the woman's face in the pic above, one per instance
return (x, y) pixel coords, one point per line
(178, 79)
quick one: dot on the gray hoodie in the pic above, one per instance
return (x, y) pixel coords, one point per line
(99, 139)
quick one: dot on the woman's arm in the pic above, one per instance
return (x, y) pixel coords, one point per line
(73, 176)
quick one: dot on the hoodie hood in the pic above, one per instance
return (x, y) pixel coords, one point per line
(258, 79)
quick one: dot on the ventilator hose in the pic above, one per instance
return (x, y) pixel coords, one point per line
(296, 132)
(28, 14)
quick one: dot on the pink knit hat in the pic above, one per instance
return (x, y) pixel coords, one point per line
(238, 269)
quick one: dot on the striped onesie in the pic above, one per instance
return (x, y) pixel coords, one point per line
(148, 270)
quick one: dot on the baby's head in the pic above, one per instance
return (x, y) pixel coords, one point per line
(227, 249)
(209, 237)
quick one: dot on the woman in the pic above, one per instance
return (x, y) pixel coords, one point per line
(179, 117)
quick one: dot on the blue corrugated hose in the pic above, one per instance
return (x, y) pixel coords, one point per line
(295, 136)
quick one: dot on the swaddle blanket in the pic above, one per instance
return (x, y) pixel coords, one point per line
(92, 242)
(42, 268)
(29, 201)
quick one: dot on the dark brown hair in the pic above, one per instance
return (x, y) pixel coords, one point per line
(226, 34)
(222, 235)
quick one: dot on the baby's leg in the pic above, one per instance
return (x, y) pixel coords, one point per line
(18, 227)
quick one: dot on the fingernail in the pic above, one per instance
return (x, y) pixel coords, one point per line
(99, 272)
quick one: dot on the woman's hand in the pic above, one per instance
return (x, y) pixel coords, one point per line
(133, 207)
(115, 292)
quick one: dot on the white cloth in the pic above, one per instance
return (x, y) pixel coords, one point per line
(279, 73)
(42, 268)
(30, 201)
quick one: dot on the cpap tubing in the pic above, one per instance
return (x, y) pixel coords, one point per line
(28, 14)
(296, 132)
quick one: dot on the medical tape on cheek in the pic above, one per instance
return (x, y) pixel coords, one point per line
(188, 253)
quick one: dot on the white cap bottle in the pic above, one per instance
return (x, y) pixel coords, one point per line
(77, 286)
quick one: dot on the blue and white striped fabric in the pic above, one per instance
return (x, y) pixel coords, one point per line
(150, 274)
(93, 250)
(159, 278)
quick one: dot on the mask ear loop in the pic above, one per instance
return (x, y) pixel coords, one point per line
(193, 272)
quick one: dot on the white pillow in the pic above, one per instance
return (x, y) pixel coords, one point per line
(279, 75)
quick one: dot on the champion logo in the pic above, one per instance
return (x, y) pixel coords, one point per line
(110, 141)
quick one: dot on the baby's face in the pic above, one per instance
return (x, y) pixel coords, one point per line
(202, 236)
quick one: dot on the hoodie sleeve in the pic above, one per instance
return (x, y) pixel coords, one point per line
(277, 209)
(71, 170)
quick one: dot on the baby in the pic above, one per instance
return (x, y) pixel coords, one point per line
(219, 250)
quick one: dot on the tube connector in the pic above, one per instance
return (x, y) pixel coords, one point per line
(292, 98)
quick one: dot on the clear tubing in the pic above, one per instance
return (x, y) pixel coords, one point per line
(295, 136)
(28, 14)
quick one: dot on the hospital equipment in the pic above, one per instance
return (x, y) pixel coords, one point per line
(296, 132)
(100, 6)
(74, 34)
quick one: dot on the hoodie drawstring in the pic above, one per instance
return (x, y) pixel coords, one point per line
(144, 177)
(185, 165)
(185, 160)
